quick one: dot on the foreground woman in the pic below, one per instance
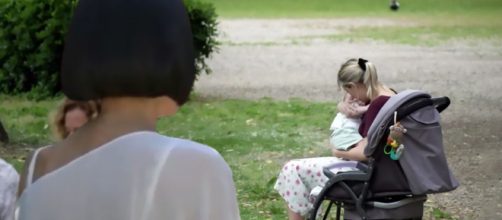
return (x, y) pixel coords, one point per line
(137, 58)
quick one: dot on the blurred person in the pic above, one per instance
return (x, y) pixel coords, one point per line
(72, 115)
(8, 186)
(69, 116)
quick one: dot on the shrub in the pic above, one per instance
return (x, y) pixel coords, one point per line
(202, 17)
(32, 38)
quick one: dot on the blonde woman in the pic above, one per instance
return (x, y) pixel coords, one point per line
(359, 79)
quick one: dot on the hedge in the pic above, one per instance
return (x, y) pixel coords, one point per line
(32, 34)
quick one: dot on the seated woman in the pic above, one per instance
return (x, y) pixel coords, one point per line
(297, 178)
(137, 58)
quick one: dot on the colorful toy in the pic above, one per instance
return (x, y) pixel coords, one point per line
(393, 148)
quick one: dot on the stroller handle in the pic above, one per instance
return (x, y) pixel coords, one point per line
(441, 103)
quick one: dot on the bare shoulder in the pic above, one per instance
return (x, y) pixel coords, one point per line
(27, 163)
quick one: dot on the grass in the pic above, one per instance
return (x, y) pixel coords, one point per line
(440, 214)
(350, 8)
(255, 137)
(425, 22)
(423, 35)
(28, 121)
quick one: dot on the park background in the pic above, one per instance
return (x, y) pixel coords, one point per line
(272, 93)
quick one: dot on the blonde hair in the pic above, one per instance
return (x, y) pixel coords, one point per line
(91, 109)
(352, 72)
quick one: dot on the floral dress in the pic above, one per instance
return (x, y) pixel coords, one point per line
(299, 176)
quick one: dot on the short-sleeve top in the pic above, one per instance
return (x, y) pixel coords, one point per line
(370, 115)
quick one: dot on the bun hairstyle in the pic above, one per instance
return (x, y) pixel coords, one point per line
(139, 48)
(359, 71)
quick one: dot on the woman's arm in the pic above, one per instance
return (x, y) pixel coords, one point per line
(355, 153)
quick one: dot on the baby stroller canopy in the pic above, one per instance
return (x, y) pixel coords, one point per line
(423, 160)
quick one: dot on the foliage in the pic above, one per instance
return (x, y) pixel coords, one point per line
(440, 214)
(31, 45)
(204, 28)
(32, 38)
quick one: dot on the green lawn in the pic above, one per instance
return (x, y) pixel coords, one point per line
(351, 8)
(254, 137)
(424, 22)
(424, 34)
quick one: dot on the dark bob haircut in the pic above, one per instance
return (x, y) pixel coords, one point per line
(139, 48)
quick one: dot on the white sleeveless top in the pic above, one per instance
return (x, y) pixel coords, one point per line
(31, 167)
(138, 176)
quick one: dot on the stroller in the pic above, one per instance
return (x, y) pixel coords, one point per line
(385, 188)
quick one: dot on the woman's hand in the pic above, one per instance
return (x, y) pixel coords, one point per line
(352, 109)
(360, 109)
(347, 109)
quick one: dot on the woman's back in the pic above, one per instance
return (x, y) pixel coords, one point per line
(140, 175)
(136, 58)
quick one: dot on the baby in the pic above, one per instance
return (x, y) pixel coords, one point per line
(345, 126)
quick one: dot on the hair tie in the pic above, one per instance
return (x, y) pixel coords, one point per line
(362, 63)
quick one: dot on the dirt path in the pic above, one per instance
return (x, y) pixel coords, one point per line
(289, 58)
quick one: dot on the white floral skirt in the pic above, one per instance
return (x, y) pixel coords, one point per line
(298, 177)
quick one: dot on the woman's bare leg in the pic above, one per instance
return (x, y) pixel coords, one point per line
(294, 216)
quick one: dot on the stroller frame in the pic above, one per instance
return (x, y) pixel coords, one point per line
(356, 185)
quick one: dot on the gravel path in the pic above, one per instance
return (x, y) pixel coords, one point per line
(289, 58)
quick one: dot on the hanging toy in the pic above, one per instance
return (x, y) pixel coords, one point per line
(393, 148)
